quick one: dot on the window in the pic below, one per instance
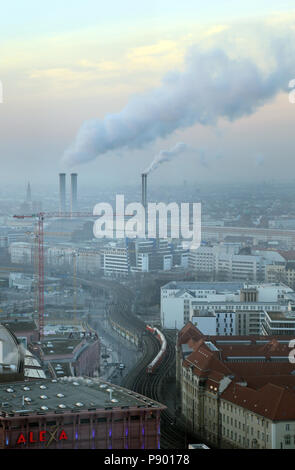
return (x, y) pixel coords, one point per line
(101, 420)
(84, 421)
(287, 440)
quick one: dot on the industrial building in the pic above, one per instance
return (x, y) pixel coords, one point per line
(62, 192)
(74, 192)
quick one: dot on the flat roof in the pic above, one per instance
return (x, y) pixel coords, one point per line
(61, 345)
(218, 286)
(68, 394)
(280, 316)
(20, 325)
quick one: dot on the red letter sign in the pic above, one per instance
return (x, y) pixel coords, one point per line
(63, 436)
(42, 436)
(21, 439)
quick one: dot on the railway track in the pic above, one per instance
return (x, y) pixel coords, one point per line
(138, 380)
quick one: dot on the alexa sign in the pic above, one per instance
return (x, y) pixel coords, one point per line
(41, 437)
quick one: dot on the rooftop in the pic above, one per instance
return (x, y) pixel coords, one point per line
(68, 394)
(20, 325)
(60, 346)
(218, 286)
(280, 316)
(240, 356)
(272, 401)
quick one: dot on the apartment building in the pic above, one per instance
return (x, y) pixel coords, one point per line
(237, 392)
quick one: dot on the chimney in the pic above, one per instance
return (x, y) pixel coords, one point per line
(144, 190)
(74, 190)
(62, 192)
(144, 199)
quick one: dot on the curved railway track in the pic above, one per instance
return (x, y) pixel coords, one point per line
(150, 385)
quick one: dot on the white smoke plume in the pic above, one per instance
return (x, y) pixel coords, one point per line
(166, 156)
(212, 86)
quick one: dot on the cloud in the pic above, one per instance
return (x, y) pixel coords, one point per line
(158, 49)
(211, 86)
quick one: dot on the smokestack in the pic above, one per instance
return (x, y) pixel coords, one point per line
(144, 190)
(144, 197)
(62, 192)
(74, 190)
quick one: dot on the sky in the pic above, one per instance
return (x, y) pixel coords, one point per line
(64, 63)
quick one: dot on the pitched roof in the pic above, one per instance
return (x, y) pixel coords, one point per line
(271, 401)
(258, 361)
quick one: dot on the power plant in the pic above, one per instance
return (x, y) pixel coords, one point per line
(144, 189)
(74, 191)
(62, 193)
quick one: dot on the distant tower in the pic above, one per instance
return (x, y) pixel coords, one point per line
(74, 192)
(62, 192)
(144, 199)
(144, 190)
(29, 194)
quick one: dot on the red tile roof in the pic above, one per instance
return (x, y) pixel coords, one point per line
(270, 386)
(271, 401)
(289, 255)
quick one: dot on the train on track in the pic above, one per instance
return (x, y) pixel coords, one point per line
(159, 357)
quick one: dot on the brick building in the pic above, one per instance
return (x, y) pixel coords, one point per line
(237, 391)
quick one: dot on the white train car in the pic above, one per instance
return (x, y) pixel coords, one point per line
(157, 360)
